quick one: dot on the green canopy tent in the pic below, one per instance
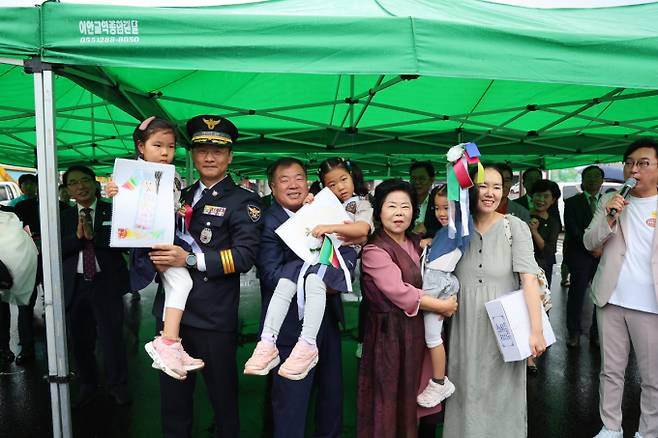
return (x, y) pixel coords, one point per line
(380, 81)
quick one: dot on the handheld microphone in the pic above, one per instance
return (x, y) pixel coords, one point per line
(624, 192)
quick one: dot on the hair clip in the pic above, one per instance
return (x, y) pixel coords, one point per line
(145, 123)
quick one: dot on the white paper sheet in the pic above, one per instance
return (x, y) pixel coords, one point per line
(296, 231)
(143, 210)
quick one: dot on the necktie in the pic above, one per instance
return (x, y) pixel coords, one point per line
(592, 204)
(88, 253)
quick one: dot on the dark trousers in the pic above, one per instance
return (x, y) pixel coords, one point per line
(96, 312)
(218, 351)
(581, 275)
(290, 398)
(25, 318)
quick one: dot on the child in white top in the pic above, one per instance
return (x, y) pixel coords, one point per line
(155, 141)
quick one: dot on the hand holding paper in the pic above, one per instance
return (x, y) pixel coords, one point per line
(297, 232)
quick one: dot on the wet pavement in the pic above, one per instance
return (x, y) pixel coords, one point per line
(562, 397)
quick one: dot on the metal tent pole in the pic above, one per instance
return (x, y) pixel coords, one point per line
(58, 369)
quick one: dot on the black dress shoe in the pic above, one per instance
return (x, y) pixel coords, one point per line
(120, 394)
(25, 356)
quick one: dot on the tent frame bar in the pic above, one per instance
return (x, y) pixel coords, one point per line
(58, 368)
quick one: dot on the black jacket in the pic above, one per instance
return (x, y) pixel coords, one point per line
(110, 260)
(229, 219)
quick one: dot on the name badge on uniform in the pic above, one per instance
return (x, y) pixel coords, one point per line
(206, 235)
(213, 210)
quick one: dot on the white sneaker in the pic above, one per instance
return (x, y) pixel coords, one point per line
(435, 393)
(637, 435)
(606, 433)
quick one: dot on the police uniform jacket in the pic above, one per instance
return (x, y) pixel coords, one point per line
(226, 226)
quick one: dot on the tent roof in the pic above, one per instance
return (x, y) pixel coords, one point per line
(554, 88)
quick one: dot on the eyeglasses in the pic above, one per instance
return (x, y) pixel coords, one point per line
(79, 182)
(641, 164)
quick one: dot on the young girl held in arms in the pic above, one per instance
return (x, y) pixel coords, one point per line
(155, 142)
(439, 282)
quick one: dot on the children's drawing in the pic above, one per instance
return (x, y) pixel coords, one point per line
(144, 207)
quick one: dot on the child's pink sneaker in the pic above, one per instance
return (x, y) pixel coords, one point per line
(264, 358)
(190, 363)
(302, 359)
(167, 358)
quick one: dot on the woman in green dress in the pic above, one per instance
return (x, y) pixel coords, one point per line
(491, 396)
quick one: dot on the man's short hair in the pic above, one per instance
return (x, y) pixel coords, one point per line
(590, 168)
(532, 169)
(77, 168)
(27, 178)
(644, 142)
(427, 165)
(282, 162)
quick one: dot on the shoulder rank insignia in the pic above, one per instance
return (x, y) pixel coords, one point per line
(253, 212)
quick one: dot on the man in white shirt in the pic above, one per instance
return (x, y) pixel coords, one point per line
(625, 290)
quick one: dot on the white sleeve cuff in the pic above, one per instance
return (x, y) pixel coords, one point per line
(200, 261)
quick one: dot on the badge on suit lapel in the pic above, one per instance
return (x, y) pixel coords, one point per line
(206, 235)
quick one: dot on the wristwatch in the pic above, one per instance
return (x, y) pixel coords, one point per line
(190, 260)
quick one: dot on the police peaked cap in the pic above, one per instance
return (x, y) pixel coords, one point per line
(208, 129)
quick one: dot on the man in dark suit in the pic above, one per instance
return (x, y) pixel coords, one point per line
(224, 235)
(578, 213)
(421, 177)
(95, 279)
(290, 398)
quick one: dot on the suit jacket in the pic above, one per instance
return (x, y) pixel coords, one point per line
(577, 217)
(110, 260)
(277, 260)
(612, 241)
(226, 224)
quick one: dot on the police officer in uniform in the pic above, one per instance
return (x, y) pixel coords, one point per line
(224, 234)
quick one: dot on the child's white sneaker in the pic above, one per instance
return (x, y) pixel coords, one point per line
(607, 433)
(434, 393)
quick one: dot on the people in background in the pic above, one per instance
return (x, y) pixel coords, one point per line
(506, 205)
(28, 185)
(421, 176)
(578, 213)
